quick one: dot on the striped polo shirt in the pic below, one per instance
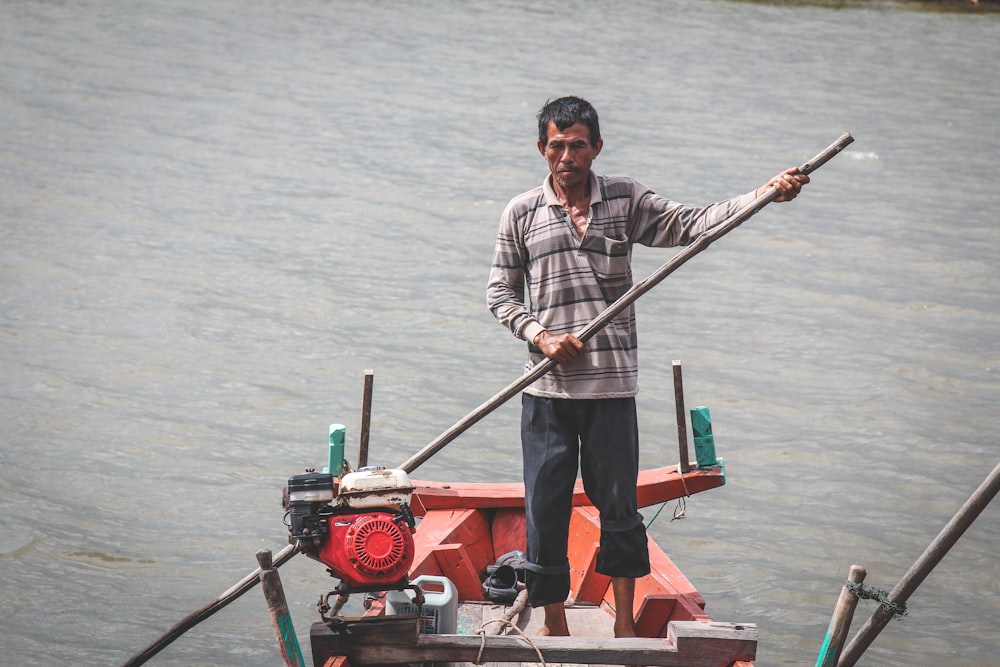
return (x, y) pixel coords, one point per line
(545, 277)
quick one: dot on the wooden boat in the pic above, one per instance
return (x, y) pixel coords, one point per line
(463, 528)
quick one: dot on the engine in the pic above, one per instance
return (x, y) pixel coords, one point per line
(361, 529)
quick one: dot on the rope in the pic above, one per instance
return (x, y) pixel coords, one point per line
(504, 622)
(680, 509)
(684, 484)
(866, 592)
(662, 505)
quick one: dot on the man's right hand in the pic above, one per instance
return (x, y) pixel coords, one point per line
(560, 347)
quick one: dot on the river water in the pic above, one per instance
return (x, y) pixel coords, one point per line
(214, 216)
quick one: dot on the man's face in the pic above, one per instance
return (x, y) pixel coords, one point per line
(569, 154)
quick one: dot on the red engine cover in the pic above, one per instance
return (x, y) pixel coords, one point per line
(368, 550)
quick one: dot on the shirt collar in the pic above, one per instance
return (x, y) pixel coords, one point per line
(552, 199)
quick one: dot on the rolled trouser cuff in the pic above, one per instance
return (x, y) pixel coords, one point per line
(621, 525)
(624, 553)
(547, 584)
(547, 570)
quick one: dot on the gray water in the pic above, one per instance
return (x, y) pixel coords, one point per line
(214, 216)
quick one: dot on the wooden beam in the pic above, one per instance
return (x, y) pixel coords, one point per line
(456, 544)
(654, 486)
(331, 642)
(688, 644)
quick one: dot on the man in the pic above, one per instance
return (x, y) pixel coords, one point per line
(563, 254)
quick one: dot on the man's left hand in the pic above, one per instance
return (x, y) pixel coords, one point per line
(788, 184)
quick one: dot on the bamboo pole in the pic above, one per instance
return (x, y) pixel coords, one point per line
(277, 606)
(609, 313)
(840, 624)
(922, 567)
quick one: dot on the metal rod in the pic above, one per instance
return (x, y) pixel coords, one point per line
(682, 433)
(625, 300)
(366, 419)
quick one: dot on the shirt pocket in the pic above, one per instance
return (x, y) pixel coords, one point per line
(610, 259)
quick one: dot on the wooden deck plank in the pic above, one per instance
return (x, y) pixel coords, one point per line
(393, 640)
(583, 620)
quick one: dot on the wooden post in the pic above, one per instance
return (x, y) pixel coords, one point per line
(682, 435)
(840, 624)
(366, 419)
(945, 540)
(274, 594)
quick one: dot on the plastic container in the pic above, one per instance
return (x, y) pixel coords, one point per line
(440, 612)
(335, 453)
(704, 440)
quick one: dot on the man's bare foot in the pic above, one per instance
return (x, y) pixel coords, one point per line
(555, 621)
(625, 628)
(624, 591)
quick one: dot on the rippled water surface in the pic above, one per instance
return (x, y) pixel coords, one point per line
(215, 216)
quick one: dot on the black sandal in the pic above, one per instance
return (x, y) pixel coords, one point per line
(515, 559)
(501, 584)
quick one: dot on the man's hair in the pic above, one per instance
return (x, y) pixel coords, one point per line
(567, 111)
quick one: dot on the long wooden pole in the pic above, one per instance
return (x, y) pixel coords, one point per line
(637, 290)
(203, 612)
(922, 567)
(251, 580)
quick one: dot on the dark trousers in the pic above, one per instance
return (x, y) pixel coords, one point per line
(602, 436)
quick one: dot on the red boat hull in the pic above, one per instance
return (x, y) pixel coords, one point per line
(465, 527)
